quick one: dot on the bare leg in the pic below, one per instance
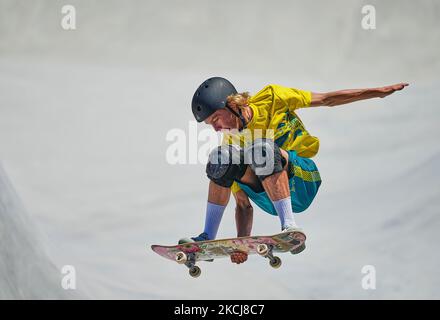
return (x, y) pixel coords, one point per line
(218, 198)
(251, 180)
(278, 190)
(277, 185)
(218, 194)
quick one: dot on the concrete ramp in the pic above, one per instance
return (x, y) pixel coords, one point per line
(26, 272)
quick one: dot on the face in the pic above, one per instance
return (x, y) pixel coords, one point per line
(222, 119)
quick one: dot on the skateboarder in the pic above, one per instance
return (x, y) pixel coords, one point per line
(287, 180)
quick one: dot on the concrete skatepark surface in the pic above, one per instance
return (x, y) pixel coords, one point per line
(83, 120)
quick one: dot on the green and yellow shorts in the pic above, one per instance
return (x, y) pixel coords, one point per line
(304, 182)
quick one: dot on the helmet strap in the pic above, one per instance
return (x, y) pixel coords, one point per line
(238, 115)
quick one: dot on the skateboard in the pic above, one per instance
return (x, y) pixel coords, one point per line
(191, 253)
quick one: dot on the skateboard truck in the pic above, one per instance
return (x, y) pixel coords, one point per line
(266, 251)
(189, 260)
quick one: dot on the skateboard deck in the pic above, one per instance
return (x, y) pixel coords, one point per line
(193, 252)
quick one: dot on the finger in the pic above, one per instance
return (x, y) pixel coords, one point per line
(400, 86)
(404, 85)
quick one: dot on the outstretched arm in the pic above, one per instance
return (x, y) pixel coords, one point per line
(336, 98)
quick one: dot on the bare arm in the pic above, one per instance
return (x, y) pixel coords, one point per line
(336, 98)
(243, 214)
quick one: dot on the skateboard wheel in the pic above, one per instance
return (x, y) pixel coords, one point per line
(195, 272)
(262, 249)
(275, 263)
(181, 257)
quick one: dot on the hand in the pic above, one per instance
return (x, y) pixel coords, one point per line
(239, 257)
(387, 90)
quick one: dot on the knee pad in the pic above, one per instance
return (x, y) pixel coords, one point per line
(225, 165)
(265, 158)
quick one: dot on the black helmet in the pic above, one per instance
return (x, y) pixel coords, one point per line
(210, 96)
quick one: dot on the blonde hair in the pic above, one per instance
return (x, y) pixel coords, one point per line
(238, 100)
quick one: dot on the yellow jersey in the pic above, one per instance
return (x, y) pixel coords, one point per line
(274, 117)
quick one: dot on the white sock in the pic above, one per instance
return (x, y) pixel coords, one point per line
(284, 209)
(214, 214)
